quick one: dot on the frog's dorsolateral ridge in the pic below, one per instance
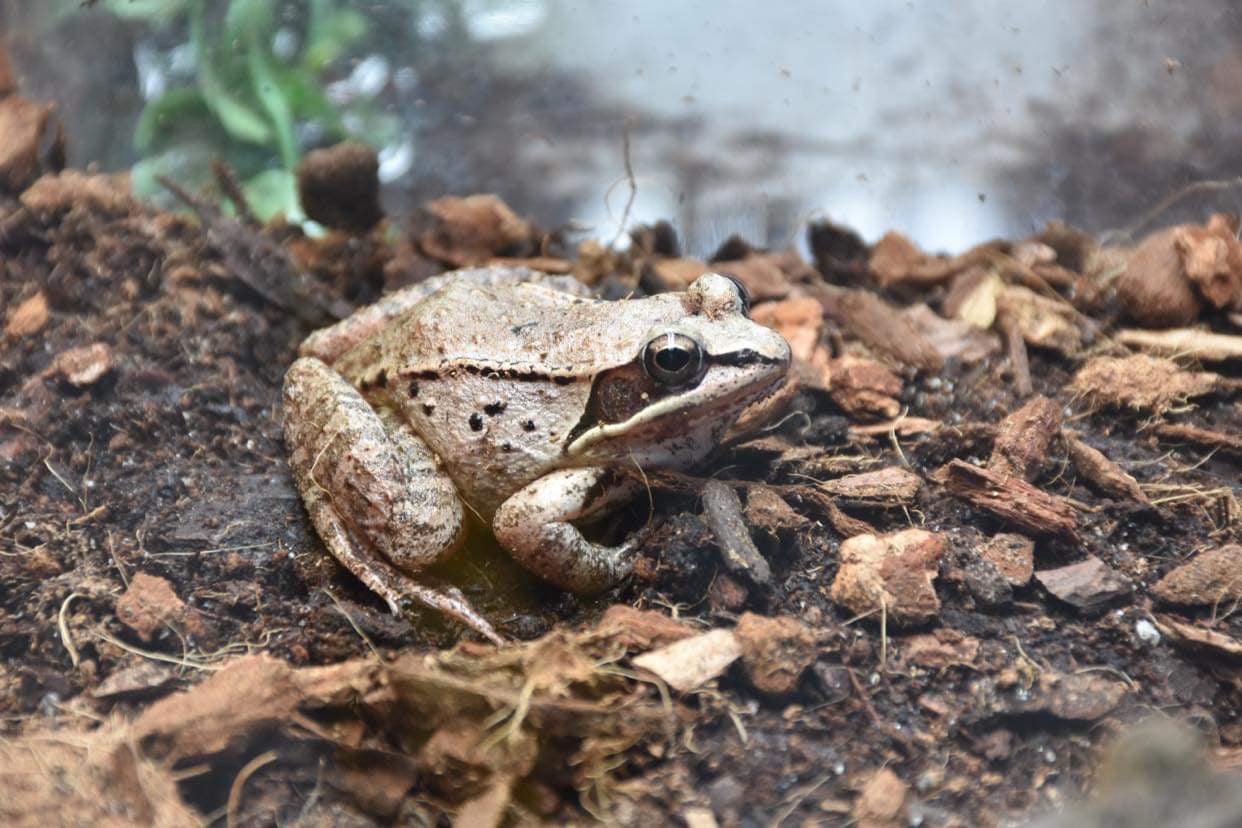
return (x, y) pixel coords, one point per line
(512, 394)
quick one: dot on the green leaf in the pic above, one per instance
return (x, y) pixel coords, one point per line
(331, 31)
(174, 108)
(271, 192)
(271, 94)
(250, 17)
(239, 119)
(307, 99)
(146, 9)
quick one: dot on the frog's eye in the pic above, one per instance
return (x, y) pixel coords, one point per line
(674, 360)
(743, 294)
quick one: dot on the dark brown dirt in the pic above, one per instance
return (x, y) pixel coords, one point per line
(171, 464)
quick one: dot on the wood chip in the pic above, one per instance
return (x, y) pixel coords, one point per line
(1197, 639)
(723, 512)
(662, 274)
(1024, 438)
(952, 338)
(775, 651)
(1227, 441)
(1212, 260)
(1100, 472)
(1184, 342)
(29, 317)
(1012, 555)
(692, 662)
(150, 604)
(1011, 499)
(874, 322)
(83, 366)
(469, 231)
(864, 388)
(1153, 288)
(767, 510)
(1087, 585)
(760, 273)
(882, 801)
(31, 141)
(892, 486)
(841, 523)
(799, 320)
(1139, 381)
(1043, 322)
(891, 574)
(1211, 577)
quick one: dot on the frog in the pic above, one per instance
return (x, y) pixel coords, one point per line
(522, 398)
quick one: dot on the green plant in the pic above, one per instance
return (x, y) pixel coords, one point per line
(245, 102)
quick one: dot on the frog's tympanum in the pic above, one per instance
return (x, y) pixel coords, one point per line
(516, 396)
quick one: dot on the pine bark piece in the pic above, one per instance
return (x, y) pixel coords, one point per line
(1087, 585)
(723, 512)
(471, 230)
(1154, 289)
(691, 662)
(1043, 322)
(1101, 472)
(1024, 437)
(892, 486)
(1140, 382)
(1011, 499)
(891, 573)
(775, 651)
(1184, 342)
(31, 142)
(800, 320)
(864, 388)
(880, 326)
(1012, 555)
(1211, 577)
(1212, 260)
(1222, 440)
(841, 523)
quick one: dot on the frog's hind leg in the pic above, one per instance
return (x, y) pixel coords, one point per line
(374, 491)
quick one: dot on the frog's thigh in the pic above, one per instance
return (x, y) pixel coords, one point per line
(378, 476)
(373, 491)
(534, 525)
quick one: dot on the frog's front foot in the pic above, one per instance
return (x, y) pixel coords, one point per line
(535, 526)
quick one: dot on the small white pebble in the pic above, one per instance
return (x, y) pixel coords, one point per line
(1147, 632)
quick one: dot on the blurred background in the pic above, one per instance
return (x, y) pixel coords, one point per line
(952, 125)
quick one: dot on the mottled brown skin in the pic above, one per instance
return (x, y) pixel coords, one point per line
(498, 391)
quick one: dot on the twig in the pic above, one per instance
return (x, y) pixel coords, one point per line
(226, 180)
(630, 181)
(1017, 355)
(1169, 201)
(239, 782)
(62, 623)
(341, 609)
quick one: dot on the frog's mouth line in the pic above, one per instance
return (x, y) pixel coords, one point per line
(747, 390)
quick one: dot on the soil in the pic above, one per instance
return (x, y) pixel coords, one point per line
(164, 599)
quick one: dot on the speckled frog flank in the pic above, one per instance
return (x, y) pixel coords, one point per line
(511, 394)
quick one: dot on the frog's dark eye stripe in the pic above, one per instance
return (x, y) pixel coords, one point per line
(745, 356)
(674, 360)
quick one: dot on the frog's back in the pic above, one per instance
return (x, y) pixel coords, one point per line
(494, 378)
